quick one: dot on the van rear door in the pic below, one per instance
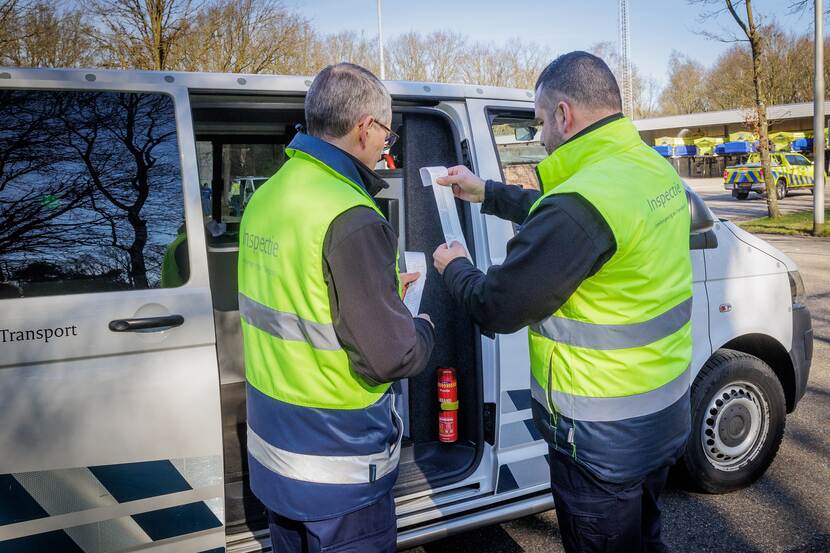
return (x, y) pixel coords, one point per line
(109, 390)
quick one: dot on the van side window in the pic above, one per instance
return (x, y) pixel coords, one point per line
(90, 193)
(518, 147)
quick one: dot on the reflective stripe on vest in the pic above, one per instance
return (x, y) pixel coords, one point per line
(287, 326)
(353, 469)
(603, 337)
(586, 408)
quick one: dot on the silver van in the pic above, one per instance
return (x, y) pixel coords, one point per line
(122, 394)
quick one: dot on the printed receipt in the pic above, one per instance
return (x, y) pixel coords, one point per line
(445, 200)
(416, 262)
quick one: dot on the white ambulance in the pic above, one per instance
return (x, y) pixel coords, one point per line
(122, 394)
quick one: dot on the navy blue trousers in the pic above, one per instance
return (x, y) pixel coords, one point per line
(599, 516)
(370, 529)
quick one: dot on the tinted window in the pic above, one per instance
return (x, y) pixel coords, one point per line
(90, 193)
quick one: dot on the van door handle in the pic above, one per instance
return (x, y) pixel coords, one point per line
(146, 323)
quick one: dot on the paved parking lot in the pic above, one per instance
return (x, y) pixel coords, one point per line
(724, 205)
(788, 509)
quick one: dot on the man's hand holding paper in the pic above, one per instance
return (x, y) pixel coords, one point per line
(465, 184)
(445, 253)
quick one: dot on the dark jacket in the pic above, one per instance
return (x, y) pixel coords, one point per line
(562, 243)
(382, 339)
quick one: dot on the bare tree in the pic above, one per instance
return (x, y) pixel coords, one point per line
(344, 46)
(48, 37)
(485, 64)
(244, 36)
(646, 90)
(802, 5)
(142, 34)
(407, 57)
(685, 91)
(729, 81)
(751, 31)
(10, 11)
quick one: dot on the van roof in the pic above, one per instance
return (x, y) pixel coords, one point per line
(244, 83)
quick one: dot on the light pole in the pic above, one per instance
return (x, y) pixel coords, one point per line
(380, 41)
(818, 123)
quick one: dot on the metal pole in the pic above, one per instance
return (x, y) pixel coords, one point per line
(818, 122)
(380, 42)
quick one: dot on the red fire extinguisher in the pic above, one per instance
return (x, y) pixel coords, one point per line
(448, 402)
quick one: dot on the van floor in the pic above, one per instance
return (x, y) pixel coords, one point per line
(422, 464)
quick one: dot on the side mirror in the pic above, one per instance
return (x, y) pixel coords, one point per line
(702, 218)
(525, 134)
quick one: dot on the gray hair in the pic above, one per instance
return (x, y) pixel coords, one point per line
(583, 79)
(340, 95)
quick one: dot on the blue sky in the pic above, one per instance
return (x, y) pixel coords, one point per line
(657, 27)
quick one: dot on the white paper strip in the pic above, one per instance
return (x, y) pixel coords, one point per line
(445, 200)
(416, 262)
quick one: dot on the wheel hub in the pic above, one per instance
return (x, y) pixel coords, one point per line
(735, 426)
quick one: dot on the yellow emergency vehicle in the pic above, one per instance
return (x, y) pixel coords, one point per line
(790, 171)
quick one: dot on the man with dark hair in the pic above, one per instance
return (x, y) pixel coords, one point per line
(325, 331)
(600, 273)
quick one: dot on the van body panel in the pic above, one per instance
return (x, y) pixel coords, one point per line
(749, 292)
(118, 433)
(112, 439)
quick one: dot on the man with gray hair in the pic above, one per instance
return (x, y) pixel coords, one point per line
(325, 330)
(600, 273)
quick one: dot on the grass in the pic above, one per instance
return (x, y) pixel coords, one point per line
(793, 224)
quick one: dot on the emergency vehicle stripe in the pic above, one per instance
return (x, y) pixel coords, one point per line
(177, 521)
(132, 481)
(607, 337)
(515, 400)
(518, 433)
(16, 504)
(354, 469)
(34, 505)
(603, 409)
(287, 326)
(524, 474)
(38, 543)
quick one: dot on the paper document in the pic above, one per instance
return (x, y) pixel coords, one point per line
(416, 262)
(445, 201)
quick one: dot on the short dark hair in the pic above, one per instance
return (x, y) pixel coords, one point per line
(340, 95)
(582, 78)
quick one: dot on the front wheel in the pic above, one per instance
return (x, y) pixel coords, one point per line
(738, 416)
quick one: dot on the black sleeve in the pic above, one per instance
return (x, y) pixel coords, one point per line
(565, 241)
(383, 341)
(507, 201)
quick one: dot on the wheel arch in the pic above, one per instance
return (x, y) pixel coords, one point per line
(773, 353)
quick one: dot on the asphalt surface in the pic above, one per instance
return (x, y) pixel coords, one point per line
(788, 509)
(724, 205)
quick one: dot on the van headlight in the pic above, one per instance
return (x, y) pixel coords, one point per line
(797, 292)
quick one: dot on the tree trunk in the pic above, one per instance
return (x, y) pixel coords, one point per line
(761, 109)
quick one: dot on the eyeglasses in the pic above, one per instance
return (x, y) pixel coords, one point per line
(391, 136)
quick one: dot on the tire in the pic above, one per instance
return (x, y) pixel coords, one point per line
(738, 413)
(742, 195)
(781, 189)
